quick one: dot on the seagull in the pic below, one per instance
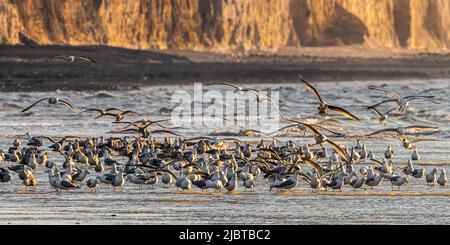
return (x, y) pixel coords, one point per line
(418, 173)
(409, 168)
(289, 183)
(93, 184)
(139, 179)
(408, 144)
(249, 184)
(5, 175)
(358, 182)
(101, 111)
(241, 90)
(402, 102)
(338, 184)
(52, 101)
(143, 130)
(431, 176)
(232, 184)
(415, 155)
(167, 179)
(29, 179)
(144, 123)
(72, 58)
(323, 106)
(185, 184)
(398, 181)
(382, 117)
(81, 176)
(442, 180)
(303, 127)
(118, 180)
(389, 153)
(52, 178)
(16, 143)
(402, 130)
(119, 116)
(64, 184)
(374, 180)
(106, 178)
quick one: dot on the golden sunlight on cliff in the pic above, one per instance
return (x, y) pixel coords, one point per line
(227, 25)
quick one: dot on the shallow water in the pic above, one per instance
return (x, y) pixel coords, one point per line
(418, 203)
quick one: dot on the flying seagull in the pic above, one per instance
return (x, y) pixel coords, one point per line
(52, 101)
(382, 117)
(403, 130)
(72, 58)
(323, 106)
(402, 102)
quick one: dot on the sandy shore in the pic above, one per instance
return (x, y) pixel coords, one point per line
(28, 68)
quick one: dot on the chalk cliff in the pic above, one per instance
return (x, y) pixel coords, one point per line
(229, 24)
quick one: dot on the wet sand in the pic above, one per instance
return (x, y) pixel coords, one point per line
(29, 69)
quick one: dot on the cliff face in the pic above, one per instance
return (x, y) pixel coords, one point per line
(229, 24)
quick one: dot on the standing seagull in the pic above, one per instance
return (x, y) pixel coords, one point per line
(398, 181)
(72, 58)
(442, 180)
(232, 184)
(415, 155)
(93, 184)
(431, 176)
(52, 101)
(323, 106)
(289, 183)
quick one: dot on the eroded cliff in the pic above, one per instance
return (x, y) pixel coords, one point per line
(229, 24)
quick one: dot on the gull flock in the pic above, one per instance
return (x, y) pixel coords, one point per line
(221, 164)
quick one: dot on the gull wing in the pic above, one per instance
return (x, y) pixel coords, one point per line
(313, 129)
(35, 103)
(309, 126)
(423, 98)
(49, 139)
(271, 152)
(344, 112)
(422, 140)
(382, 102)
(92, 109)
(106, 114)
(129, 130)
(201, 138)
(225, 84)
(130, 112)
(313, 165)
(383, 131)
(375, 110)
(386, 91)
(283, 128)
(391, 110)
(65, 57)
(113, 109)
(165, 131)
(68, 104)
(377, 161)
(312, 89)
(338, 149)
(326, 129)
(165, 171)
(420, 127)
(86, 59)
